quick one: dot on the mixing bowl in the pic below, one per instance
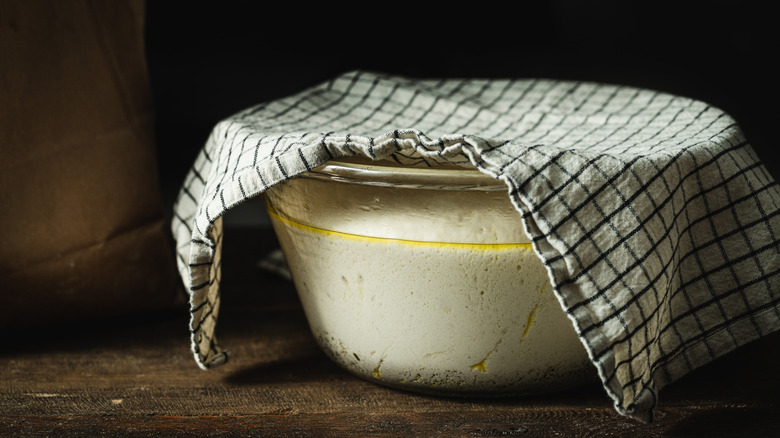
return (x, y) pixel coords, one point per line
(423, 279)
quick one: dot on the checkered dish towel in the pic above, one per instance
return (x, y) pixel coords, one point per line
(656, 221)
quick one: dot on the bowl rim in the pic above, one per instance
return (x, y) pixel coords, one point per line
(364, 171)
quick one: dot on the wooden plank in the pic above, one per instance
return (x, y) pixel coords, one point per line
(559, 422)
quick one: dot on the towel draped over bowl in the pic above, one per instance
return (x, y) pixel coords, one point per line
(655, 219)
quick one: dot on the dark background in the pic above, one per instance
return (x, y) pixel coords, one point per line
(208, 60)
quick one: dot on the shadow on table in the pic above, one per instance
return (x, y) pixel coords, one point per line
(150, 328)
(300, 369)
(728, 422)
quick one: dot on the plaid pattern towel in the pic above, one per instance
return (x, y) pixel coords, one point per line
(654, 217)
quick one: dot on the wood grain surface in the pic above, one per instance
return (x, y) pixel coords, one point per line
(136, 377)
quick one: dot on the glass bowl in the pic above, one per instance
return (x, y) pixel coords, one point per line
(423, 279)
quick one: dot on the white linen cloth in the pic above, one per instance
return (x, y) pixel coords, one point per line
(656, 221)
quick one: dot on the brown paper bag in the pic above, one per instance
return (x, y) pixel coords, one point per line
(80, 210)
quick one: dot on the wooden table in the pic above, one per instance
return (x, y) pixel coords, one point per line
(111, 377)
